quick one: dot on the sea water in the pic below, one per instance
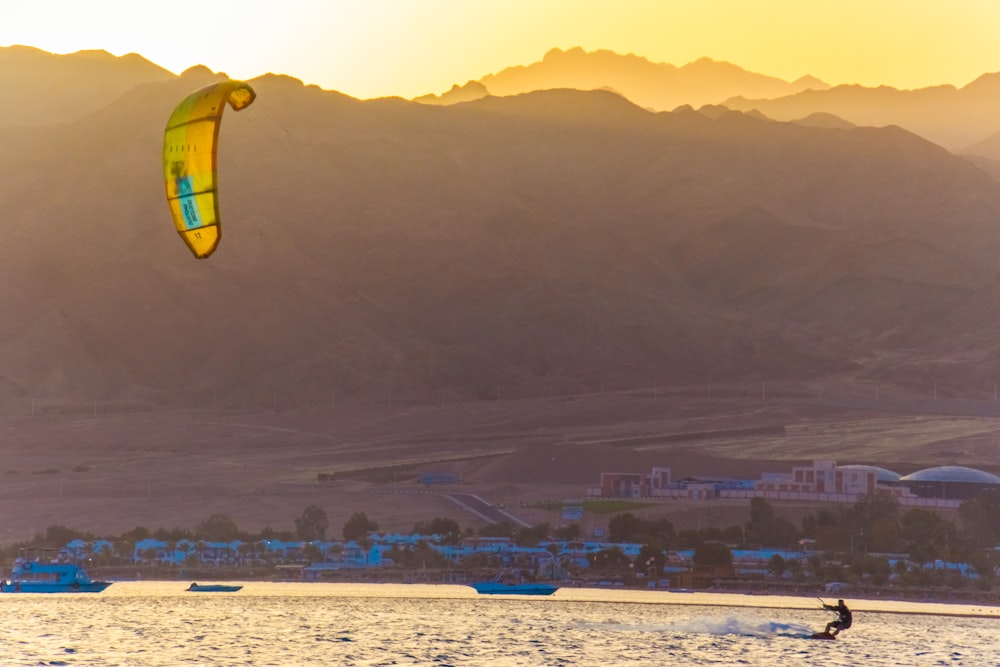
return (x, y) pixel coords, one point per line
(158, 623)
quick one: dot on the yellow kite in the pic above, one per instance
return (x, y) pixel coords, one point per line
(189, 161)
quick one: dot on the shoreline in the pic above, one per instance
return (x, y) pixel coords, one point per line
(632, 595)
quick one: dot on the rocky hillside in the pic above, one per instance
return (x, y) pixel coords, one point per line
(555, 241)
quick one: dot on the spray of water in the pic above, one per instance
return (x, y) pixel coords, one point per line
(745, 627)
(731, 625)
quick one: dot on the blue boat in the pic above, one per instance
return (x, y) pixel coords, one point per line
(212, 588)
(497, 586)
(500, 588)
(41, 571)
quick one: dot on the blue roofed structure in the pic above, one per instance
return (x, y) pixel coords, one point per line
(881, 474)
(950, 482)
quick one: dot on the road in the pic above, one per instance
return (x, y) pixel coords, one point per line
(484, 510)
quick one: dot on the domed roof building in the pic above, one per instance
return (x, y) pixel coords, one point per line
(881, 474)
(950, 482)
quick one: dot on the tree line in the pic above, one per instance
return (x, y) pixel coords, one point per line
(311, 525)
(854, 540)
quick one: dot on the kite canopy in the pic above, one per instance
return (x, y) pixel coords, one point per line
(189, 161)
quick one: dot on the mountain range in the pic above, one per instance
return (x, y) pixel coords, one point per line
(656, 86)
(965, 120)
(553, 241)
(961, 119)
(42, 88)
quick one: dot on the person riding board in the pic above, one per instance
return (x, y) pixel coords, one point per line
(843, 620)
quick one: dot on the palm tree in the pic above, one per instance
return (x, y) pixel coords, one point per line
(777, 566)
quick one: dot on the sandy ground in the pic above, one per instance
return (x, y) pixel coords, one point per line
(109, 473)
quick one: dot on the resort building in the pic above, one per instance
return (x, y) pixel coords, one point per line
(950, 482)
(824, 477)
(822, 481)
(633, 485)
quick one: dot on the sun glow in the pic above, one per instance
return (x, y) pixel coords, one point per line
(400, 47)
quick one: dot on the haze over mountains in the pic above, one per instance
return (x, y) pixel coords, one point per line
(962, 119)
(546, 242)
(658, 86)
(41, 88)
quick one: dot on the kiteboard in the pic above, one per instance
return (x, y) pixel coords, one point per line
(823, 635)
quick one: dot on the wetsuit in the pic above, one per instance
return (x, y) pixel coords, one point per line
(844, 618)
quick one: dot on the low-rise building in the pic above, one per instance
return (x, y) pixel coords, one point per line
(821, 481)
(634, 484)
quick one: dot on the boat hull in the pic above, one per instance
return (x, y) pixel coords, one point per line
(496, 588)
(48, 587)
(212, 588)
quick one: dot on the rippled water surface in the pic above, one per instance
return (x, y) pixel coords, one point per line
(158, 623)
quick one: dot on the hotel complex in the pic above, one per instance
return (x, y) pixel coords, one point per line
(823, 480)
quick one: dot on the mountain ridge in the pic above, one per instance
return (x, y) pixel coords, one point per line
(42, 88)
(659, 86)
(959, 118)
(952, 117)
(553, 242)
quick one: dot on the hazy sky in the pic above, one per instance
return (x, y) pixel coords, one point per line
(371, 48)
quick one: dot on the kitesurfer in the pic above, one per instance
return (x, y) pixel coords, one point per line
(843, 620)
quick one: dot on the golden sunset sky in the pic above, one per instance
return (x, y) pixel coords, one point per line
(373, 48)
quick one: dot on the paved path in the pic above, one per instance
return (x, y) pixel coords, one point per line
(484, 510)
(473, 503)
